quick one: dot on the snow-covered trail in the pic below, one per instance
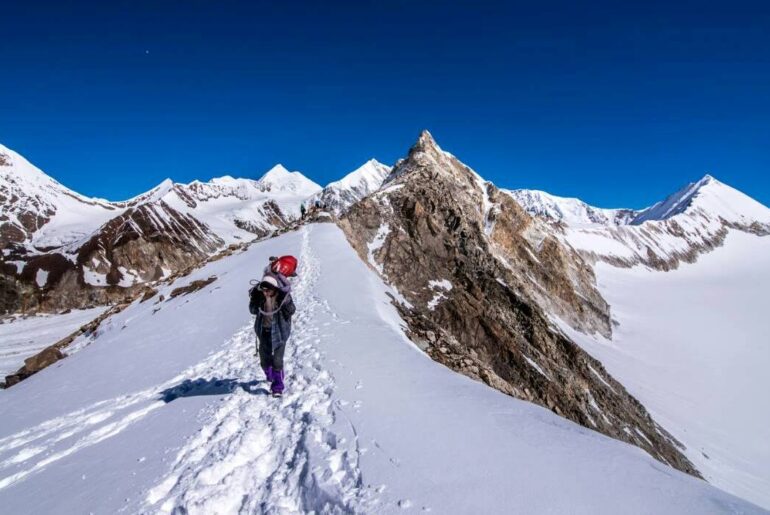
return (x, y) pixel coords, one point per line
(165, 411)
(252, 454)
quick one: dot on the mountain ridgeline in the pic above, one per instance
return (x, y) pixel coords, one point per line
(487, 280)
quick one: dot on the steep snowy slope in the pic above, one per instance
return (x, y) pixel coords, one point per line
(338, 196)
(164, 410)
(693, 346)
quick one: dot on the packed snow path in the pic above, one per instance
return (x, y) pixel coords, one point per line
(252, 454)
(165, 410)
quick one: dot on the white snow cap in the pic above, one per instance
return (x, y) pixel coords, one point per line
(280, 180)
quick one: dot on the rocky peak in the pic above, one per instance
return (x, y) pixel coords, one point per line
(426, 143)
(424, 153)
(482, 284)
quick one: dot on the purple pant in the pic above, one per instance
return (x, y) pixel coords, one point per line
(276, 379)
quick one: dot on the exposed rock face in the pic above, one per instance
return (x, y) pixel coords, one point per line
(478, 276)
(143, 244)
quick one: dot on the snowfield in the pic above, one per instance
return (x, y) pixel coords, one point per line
(693, 345)
(21, 338)
(166, 412)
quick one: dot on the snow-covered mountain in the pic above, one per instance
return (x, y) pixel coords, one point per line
(237, 209)
(686, 224)
(143, 417)
(38, 212)
(432, 235)
(708, 197)
(56, 242)
(339, 195)
(279, 180)
(535, 295)
(696, 331)
(712, 199)
(479, 278)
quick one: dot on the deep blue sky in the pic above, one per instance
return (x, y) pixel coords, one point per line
(616, 103)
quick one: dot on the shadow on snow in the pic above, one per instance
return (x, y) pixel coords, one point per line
(213, 386)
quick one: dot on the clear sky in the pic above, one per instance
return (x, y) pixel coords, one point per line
(613, 102)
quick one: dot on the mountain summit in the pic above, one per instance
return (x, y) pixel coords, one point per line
(339, 195)
(280, 180)
(712, 198)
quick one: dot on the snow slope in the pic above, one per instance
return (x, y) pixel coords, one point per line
(165, 408)
(21, 338)
(692, 345)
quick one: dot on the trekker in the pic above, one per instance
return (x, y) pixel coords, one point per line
(302, 210)
(272, 303)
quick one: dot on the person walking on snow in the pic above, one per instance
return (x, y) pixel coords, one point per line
(272, 303)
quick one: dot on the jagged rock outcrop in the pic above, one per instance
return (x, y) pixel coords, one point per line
(480, 280)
